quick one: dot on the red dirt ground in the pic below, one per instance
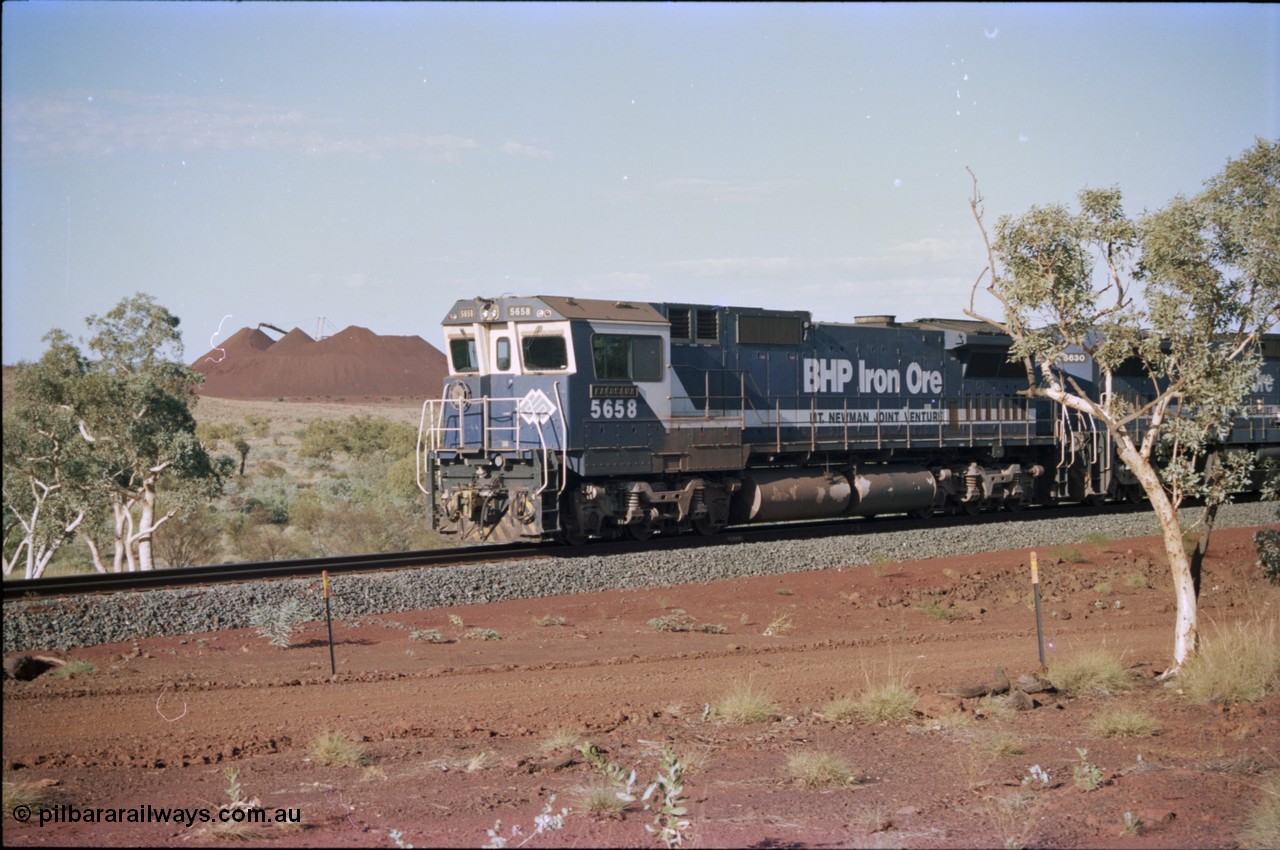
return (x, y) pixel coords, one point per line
(463, 733)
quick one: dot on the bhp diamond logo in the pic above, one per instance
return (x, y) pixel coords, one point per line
(536, 407)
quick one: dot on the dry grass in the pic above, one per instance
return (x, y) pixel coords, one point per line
(779, 625)
(1005, 744)
(819, 769)
(889, 701)
(840, 710)
(563, 738)
(27, 794)
(1125, 723)
(745, 704)
(1262, 826)
(1240, 663)
(1093, 672)
(336, 748)
(599, 798)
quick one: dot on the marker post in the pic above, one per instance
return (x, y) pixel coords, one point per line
(1035, 589)
(328, 615)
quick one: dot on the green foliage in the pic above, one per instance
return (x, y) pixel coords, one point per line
(191, 537)
(670, 825)
(119, 428)
(74, 667)
(359, 437)
(1087, 776)
(1209, 268)
(277, 622)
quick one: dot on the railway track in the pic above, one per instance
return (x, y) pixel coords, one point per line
(304, 567)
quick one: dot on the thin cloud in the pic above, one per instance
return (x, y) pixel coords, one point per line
(705, 190)
(528, 151)
(897, 259)
(119, 122)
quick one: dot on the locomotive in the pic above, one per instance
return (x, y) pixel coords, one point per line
(581, 419)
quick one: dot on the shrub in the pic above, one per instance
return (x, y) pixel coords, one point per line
(74, 666)
(1094, 672)
(679, 621)
(277, 622)
(943, 613)
(1070, 555)
(1087, 776)
(1237, 664)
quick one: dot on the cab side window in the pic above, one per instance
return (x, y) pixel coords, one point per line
(544, 354)
(462, 353)
(619, 357)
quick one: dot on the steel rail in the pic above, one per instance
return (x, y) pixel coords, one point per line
(90, 583)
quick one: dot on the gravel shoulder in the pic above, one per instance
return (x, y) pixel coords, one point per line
(458, 731)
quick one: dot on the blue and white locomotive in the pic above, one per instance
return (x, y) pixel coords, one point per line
(583, 419)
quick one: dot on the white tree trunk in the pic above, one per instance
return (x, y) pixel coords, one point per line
(1185, 634)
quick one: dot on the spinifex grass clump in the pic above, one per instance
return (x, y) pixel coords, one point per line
(1095, 672)
(745, 704)
(819, 769)
(1125, 723)
(890, 701)
(1262, 826)
(336, 748)
(1240, 663)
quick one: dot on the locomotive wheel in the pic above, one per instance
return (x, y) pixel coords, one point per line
(922, 513)
(971, 508)
(572, 536)
(640, 530)
(716, 518)
(708, 525)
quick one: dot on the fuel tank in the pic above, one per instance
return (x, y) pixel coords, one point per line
(775, 495)
(897, 492)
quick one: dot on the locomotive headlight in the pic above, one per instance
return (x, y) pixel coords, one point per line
(499, 461)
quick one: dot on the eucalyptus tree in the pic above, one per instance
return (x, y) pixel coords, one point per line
(1183, 294)
(47, 463)
(136, 404)
(100, 434)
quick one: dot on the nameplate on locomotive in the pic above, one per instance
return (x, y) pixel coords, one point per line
(614, 391)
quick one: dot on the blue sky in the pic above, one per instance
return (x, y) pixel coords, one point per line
(371, 163)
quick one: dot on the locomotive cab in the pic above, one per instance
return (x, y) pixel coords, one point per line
(543, 394)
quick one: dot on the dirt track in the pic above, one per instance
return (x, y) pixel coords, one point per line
(460, 733)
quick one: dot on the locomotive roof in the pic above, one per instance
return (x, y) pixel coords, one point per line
(543, 307)
(610, 311)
